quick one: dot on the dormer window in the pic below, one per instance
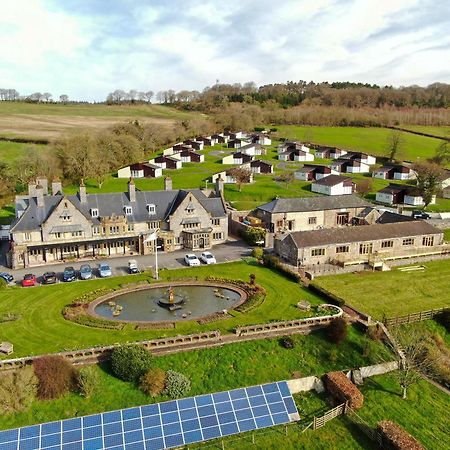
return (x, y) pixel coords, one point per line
(128, 210)
(190, 208)
(151, 208)
(94, 212)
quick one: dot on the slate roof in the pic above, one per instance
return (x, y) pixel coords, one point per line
(333, 180)
(113, 203)
(281, 205)
(390, 217)
(362, 233)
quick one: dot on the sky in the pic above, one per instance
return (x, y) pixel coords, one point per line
(88, 48)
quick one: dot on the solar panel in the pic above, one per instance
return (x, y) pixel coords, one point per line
(162, 425)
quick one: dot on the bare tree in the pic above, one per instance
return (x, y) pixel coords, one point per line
(286, 178)
(394, 145)
(364, 186)
(413, 343)
(149, 95)
(241, 174)
(133, 95)
(63, 98)
(47, 96)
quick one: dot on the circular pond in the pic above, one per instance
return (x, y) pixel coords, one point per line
(167, 303)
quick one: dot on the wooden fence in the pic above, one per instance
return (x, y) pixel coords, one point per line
(411, 318)
(364, 427)
(329, 415)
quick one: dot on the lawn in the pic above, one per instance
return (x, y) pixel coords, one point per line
(395, 292)
(372, 140)
(447, 235)
(42, 328)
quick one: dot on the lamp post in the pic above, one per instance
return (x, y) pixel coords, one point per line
(154, 237)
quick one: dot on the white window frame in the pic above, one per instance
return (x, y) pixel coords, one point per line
(94, 212)
(128, 210)
(151, 208)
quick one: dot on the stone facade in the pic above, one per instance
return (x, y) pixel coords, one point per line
(359, 244)
(51, 228)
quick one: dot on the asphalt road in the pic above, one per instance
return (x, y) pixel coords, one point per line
(231, 251)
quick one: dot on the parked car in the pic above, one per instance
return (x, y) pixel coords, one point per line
(69, 274)
(419, 214)
(132, 266)
(208, 258)
(85, 272)
(7, 277)
(49, 278)
(29, 280)
(191, 260)
(104, 270)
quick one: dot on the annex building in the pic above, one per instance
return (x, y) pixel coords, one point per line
(360, 244)
(52, 227)
(309, 213)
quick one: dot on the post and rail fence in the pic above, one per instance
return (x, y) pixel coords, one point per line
(413, 317)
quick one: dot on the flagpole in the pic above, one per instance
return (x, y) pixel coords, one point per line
(156, 259)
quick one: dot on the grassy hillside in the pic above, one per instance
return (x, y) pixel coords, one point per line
(48, 121)
(372, 140)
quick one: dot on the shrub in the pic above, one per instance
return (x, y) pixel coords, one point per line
(393, 436)
(287, 342)
(88, 381)
(444, 319)
(259, 129)
(3, 284)
(274, 130)
(337, 330)
(254, 235)
(56, 376)
(177, 384)
(343, 390)
(130, 362)
(258, 253)
(153, 382)
(274, 263)
(252, 279)
(17, 390)
(375, 332)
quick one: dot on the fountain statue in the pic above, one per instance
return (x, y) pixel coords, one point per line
(171, 301)
(171, 294)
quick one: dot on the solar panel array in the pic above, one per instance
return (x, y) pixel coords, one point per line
(162, 425)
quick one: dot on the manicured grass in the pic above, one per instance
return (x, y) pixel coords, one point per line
(393, 293)
(216, 369)
(6, 214)
(43, 329)
(372, 140)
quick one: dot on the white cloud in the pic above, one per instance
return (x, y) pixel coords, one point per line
(99, 46)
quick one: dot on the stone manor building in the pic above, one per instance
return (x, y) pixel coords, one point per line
(51, 227)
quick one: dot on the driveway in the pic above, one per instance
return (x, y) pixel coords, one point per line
(231, 251)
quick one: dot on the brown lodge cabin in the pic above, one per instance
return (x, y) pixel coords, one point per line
(359, 244)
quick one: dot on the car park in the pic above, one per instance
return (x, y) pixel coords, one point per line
(208, 258)
(104, 270)
(7, 277)
(191, 260)
(69, 274)
(132, 266)
(29, 280)
(419, 214)
(49, 278)
(85, 272)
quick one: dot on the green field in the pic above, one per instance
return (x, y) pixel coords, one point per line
(10, 151)
(42, 328)
(434, 131)
(393, 293)
(93, 110)
(371, 140)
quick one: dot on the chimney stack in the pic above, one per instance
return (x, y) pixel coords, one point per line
(44, 183)
(56, 186)
(219, 186)
(39, 195)
(32, 189)
(82, 192)
(167, 184)
(131, 190)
